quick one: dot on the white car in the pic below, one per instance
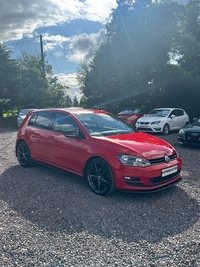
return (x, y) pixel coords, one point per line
(163, 120)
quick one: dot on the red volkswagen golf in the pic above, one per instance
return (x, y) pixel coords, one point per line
(96, 145)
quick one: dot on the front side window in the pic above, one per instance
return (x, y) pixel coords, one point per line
(64, 123)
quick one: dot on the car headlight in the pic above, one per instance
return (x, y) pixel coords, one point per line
(155, 122)
(133, 161)
(181, 131)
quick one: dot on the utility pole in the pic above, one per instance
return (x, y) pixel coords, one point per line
(42, 54)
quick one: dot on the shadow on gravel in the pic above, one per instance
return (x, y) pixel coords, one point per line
(61, 203)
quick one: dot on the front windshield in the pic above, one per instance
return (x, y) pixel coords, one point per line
(99, 124)
(158, 113)
(128, 111)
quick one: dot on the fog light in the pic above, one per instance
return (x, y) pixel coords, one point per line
(131, 178)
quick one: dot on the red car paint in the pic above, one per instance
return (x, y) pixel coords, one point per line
(130, 116)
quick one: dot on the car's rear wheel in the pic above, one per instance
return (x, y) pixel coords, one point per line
(100, 177)
(165, 129)
(24, 155)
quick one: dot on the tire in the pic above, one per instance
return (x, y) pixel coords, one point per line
(100, 177)
(165, 130)
(24, 155)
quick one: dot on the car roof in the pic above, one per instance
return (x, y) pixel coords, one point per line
(73, 110)
(168, 108)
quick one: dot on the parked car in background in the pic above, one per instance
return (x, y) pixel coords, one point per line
(163, 120)
(97, 145)
(190, 134)
(21, 116)
(130, 116)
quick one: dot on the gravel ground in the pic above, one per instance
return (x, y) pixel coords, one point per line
(48, 218)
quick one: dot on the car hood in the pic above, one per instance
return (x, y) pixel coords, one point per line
(192, 127)
(142, 144)
(150, 119)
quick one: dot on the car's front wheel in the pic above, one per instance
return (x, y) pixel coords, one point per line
(24, 155)
(100, 177)
(165, 129)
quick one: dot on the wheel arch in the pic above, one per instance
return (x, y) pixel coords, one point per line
(89, 160)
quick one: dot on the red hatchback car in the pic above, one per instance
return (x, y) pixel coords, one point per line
(98, 146)
(131, 116)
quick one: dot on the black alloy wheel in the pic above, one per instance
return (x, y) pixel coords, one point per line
(165, 129)
(100, 177)
(24, 155)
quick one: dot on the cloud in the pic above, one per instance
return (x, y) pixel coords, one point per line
(83, 46)
(98, 10)
(70, 80)
(21, 17)
(74, 48)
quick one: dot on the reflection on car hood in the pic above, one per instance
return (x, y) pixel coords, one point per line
(149, 119)
(143, 144)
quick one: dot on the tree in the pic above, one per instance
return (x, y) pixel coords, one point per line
(9, 81)
(137, 55)
(37, 90)
(189, 48)
(75, 102)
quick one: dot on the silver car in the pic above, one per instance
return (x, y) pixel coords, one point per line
(22, 115)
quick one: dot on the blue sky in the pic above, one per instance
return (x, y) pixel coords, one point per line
(71, 31)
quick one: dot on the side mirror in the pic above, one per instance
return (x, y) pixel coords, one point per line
(173, 116)
(75, 134)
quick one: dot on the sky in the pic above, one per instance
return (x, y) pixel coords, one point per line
(71, 31)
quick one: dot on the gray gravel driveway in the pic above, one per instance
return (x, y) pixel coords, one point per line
(49, 218)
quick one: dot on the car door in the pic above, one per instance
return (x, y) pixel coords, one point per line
(174, 121)
(66, 152)
(182, 118)
(38, 131)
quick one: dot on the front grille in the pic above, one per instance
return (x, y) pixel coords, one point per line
(162, 160)
(143, 123)
(161, 179)
(144, 129)
(193, 137)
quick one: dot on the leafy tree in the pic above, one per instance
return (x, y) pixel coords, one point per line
(137, 55)
(37, 90)
(8, 80)
(75, 102)
(189, 48)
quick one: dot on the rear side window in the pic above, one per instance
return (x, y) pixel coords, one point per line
(41, 119)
